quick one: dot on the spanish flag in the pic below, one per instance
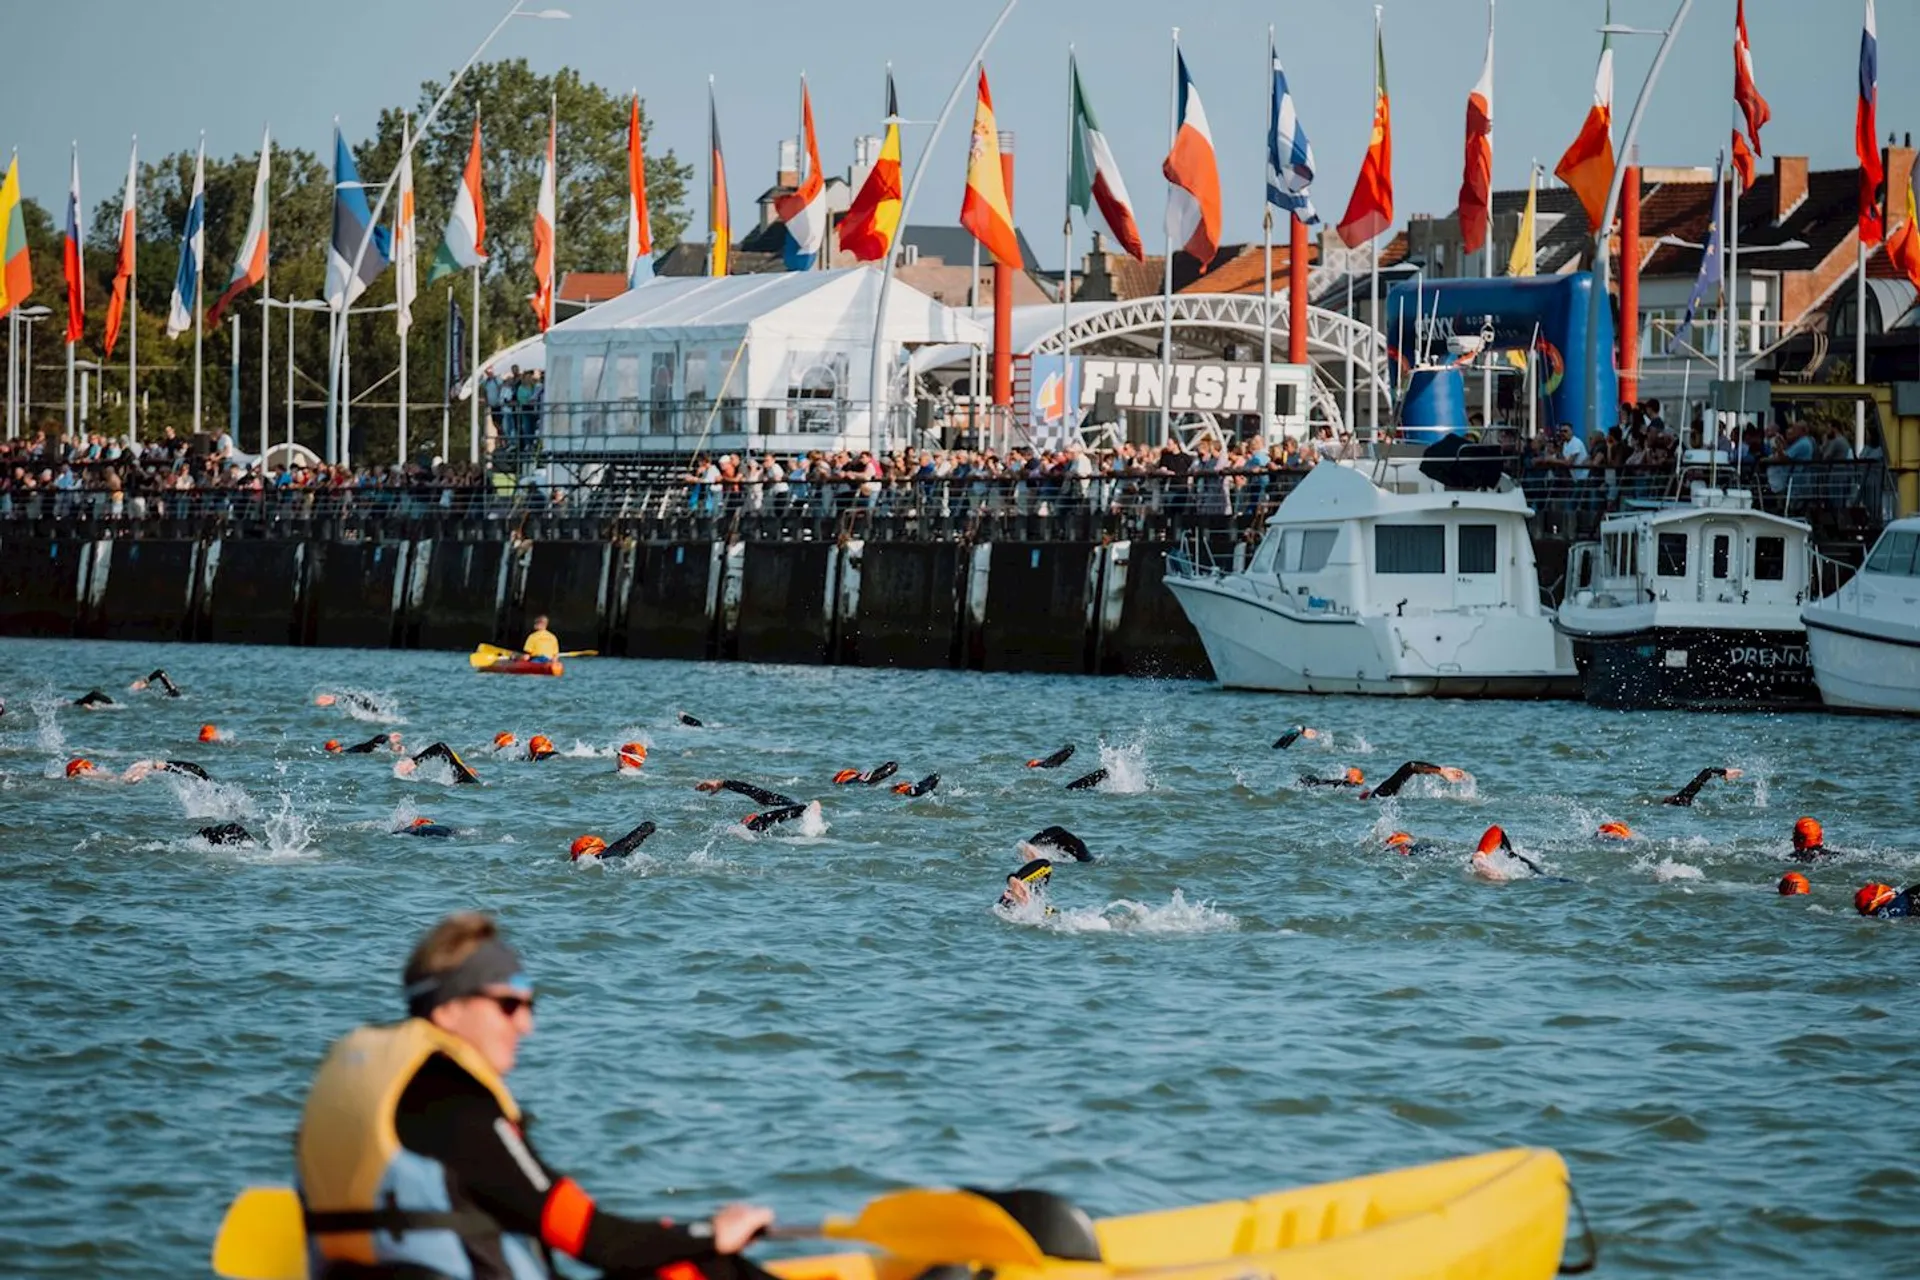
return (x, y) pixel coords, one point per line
(867, 228)
(1587, 166)
(987, 210)
(16, 276)
(719, 223)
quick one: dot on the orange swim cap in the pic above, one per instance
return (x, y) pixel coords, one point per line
(901, 788)
(586, 847)
(632, 755)
(421, 822)
(1356, 777)
(323, 700)
(1400, 840)
(1872, 897)
(79, 766)
(1793, 882)
(1807, 834)
(846, 775)
(539, 745)
(1492, 840)
(208, 733)
(1614, 831)
(503, 739)
(333, 745)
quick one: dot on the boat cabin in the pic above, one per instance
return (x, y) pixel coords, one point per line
(1716, 549)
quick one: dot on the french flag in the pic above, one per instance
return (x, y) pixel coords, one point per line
(76, 278)
(805, 211)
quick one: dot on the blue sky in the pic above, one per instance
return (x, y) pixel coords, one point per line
(168, 71)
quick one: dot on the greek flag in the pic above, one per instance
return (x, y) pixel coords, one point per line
(1289, 154)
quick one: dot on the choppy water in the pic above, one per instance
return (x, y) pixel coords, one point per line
(1243, 993)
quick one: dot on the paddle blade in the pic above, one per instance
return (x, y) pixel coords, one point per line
(939, 1226)
(263, 1237)
(483, 655)
(581, 653)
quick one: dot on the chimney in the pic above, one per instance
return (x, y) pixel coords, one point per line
(789, 172)
(1789, 185)
(866, 150)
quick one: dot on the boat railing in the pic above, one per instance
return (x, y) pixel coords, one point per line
(1827, 574)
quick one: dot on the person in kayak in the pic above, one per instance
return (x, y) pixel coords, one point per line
(878, 774)
(1684, 796)
(412, 1156)
(1793, 884)
(426, 829)
(93, 698)
(920, 788)
(438, 751)
(226, 833)
(1809, 840)
(541, 645)
(785, 808)
(159, 677)
(1884, 902)
(389, 741)
(1053, 761)
(1294, 735)
(540, 747)
(1026, 884)
(594, 847)
(1351, 778)
(1400, 777)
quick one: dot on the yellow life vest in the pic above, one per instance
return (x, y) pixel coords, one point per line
(368, 1201)
(542, 644)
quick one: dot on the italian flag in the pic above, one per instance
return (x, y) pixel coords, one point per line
(464, 245)
(1093, 181)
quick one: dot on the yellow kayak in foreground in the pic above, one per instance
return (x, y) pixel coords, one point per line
(1500, 1216)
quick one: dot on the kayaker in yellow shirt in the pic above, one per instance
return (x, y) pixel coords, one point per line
(541, 645)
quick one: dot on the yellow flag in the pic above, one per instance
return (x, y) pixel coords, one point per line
(16, 276)
(1521, 263)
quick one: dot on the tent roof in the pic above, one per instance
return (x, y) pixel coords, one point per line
(828, 306)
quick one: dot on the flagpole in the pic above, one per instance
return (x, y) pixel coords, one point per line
(402, 243)
(1266, 246)
(1166, 267)
(289, 382)
(1373, 274)
(133, 320)
(266, 310)
(1352, 338)
(346, 386)
(1486, 366)
(13, 371)
(400, 443)
(199, 270)
(1070, 416)
(976, 363)
(473, 373)
(1860, 341)
(76, 217)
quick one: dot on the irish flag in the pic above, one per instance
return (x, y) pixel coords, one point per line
(1193, 197)
(1587, 166)
(639, 225)
(543, 230)
(1476, 186)
(16, 269)
(1093, 180)
(1370, 211)
(986, 210)
(464, 245)
(866, 230)
(124, 262)
(250, 265)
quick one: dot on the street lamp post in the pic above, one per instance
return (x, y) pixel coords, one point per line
(1599, 283)
(29, 316)
(386, 189)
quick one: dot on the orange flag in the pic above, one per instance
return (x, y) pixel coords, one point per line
(986, 210)
(1587, 166)
(1903, 246)
(1370, 211)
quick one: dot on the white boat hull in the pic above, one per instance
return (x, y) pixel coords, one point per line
(1862, 672)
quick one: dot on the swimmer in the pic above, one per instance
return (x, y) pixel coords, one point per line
(1053, 761)
(1809, 840)
(1399, 777)
(632, 757)
(785, 808)
(540, 747)
(1613, 831)
(1495, 849)
(1294, 735)
(426, 828)
(332, 747)
(774, 817)
(209, 733)
(1404, 844)
(1884, 902)
(1351, 778)
(93, 698)
(1090, 781)
(167, 686)
(1060, 840)
(1684, 796)
(357, 700)
(504, 741)
(877, 774)
(690, 722)
(81, 767)
(920, 788)
(1792, 884)
(182, 766)
(438, 751)
(1026, 884)
(372, 745)
(595, 847)
(226, 833)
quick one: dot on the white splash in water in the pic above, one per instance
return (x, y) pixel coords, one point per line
(369, 707)
(200, 798)
(1175, 916)
(286, 834)
(46, 711)
(584, 751)
(1667, 870)
(1126, 767)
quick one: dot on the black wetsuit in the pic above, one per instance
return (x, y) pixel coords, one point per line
(690, 722)
(1036, 874)
(879, 773)
(93, 698)
(227, 833)
(1812, 853)
(1053, 761)
(1287, 739)
(371, 745)
(627, 843)
(1090, 781)
(185, 766)
(545, 754)
(167, 686)
(426, 831)
(441, 751)
(774, 817)
(1312, 780)
(1064, 841)
(1399, 778)
(1417, 849)
(1685, 795)
(785, 809)
(1902, 906)
(919, 788)
(448, 1116)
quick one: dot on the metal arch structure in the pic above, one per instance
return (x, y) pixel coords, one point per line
(1330, 337)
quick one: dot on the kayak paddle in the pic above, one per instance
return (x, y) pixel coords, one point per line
(263, 1237)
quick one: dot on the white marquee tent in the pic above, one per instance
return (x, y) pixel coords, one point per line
(766, 361)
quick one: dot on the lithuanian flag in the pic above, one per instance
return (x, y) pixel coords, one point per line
(16, 277)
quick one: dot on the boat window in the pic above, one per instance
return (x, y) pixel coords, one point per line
(1269, 551)
(1316, 548)
(1410, 548)
(1477, 542)
(1769, 559)
(1673, 555)
(1722, 554)
(1623, 555)
(1894, 554)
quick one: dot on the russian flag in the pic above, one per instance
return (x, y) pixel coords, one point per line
(1866, 137)
(805, 211)
(351, 217)
(193, 251)
(76, 278)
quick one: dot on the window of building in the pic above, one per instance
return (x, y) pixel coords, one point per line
(1478, 543)
(1410, 548)
(1673, 555)
(1769, 559)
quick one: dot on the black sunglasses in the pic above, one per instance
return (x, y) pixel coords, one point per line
(510, 1005)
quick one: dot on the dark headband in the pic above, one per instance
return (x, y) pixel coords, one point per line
(492, 964)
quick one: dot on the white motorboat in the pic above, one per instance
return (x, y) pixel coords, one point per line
(1692, 604)
(1865, 638)
(1408, 589)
